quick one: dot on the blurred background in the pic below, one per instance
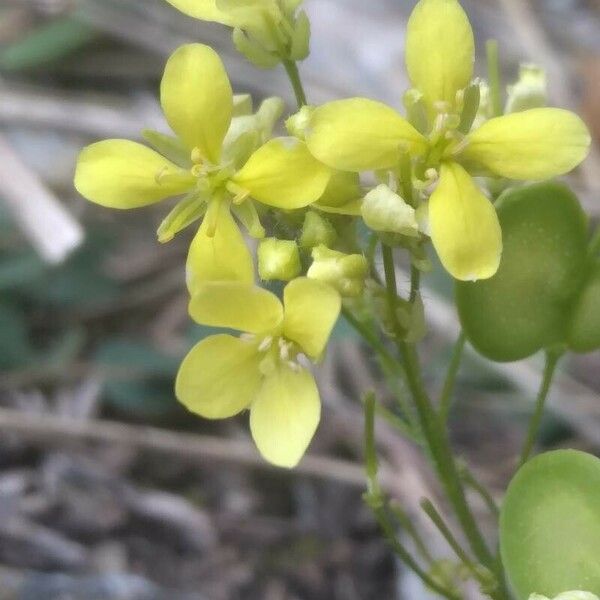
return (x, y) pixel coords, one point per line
(108, 489)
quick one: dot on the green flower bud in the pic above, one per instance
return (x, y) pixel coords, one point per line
(253, 51)
(384, 210)
(300, 46)
(530, 91)
(278, 259)
(242, 105)
(345, 272)
(316, 230)
(298, 122)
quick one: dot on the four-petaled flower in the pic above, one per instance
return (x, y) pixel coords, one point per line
(360, 135)
(197, 100)
(224, 375)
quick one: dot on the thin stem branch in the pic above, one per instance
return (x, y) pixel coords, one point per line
(374, 498)
(431, 511)
(291, 68)
(552, 359)
(469, 478)
(433, 429)
(493, 64)
(450, 381)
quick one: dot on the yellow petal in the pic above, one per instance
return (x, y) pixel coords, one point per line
(205, 10)
(440, 50)
(285, 415)
(223, 256)
(464, 226)
(358, 134)
(311, 309)
(197, 99)
(534, 144)
(282, 173)
(219, 377)
(124, 174)
(236, 305)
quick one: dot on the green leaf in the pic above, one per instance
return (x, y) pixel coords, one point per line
(584, 333)
(525, 307)
(48, 43)
(550, 525)
(15, 345)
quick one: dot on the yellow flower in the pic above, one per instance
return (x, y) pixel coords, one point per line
(224, 375)
(216, 177)
(266, 31)
(358, 134)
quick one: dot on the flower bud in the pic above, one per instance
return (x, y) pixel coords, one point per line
(298, 122)
(384, 210)
(530, 91)
(345, 272)
(316, 230)
(278, 259)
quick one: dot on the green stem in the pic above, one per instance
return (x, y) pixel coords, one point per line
(374, 498)
(291, 68)
(391, 368)
(493, 64)
(430, 510)
(475, 484)
(407, 524)
(415, 283)
(434, 432)
(449, 383)
(552, 358)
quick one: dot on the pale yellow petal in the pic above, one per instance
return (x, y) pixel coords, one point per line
(285, 415)
(124, 174)
(282, 173)
(440, 50)
(197, 99)
(236, 305)
(358, 134)
(205, 10)
(311, 310)
(534, 144)
(219, 377)
(464, 226)
(223, 256)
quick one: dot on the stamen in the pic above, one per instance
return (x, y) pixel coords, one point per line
(196, 156)
(265, 344)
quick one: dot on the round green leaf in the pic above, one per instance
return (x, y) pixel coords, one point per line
(524, 307)
(550, 525)
(584, 333)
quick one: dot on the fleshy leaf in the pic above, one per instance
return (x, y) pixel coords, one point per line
(358, 134)
(282, 173)
(440, 51)
(236, 305)
(550, 525)
(219, 377)
(533, 144)
(584, 331)
(464, 226)
(223, 256)
(124, 174)
(525, 306)
(311, 310)
(285, 415)
(197, 99)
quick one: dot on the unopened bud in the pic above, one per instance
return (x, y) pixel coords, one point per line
(384, 210)
(345, 272)
(298, 122)
(530, 91)
(316, 230)
(278, 259)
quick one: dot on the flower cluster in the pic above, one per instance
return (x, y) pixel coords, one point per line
(345, 167)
